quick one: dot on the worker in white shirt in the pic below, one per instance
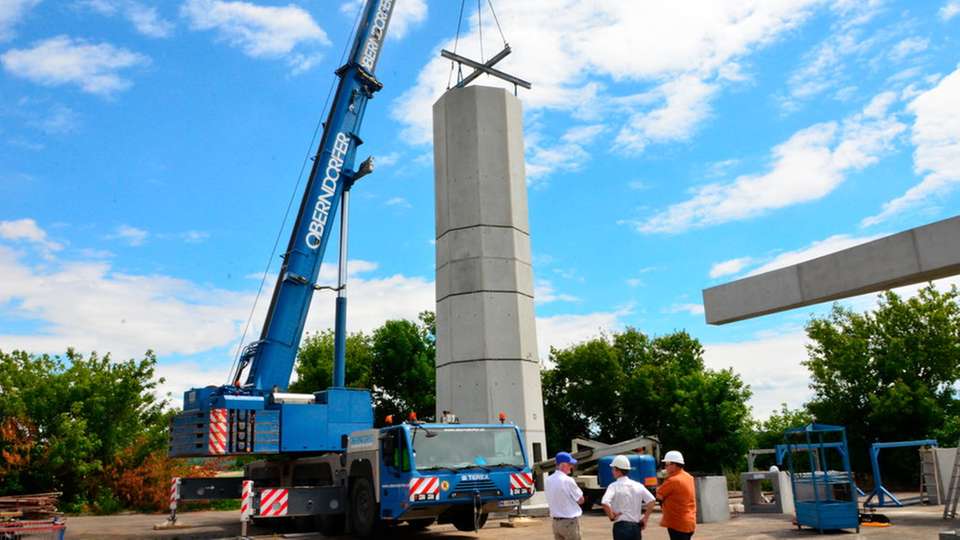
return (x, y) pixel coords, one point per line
(627, 502)
(564, 498)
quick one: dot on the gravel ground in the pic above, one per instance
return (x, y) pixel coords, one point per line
(910, 523)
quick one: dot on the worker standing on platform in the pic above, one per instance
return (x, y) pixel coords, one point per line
(678, 499)
(564, 498)
(627, 502)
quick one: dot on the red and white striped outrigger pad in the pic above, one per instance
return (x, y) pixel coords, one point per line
(217, 440)
(425, 488)
(174, 492)
(246, 500)
(273, 502)
(521, 482)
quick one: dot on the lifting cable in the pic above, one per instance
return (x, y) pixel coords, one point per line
(235, 368)
(456, 40)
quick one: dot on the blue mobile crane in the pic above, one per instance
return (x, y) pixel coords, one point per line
(323, 457)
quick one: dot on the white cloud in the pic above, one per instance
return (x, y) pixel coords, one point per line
(145, 18)
(131, 235)
(772, 367)
(685, 104)
(387, 160)
(907, 47)
(567, 155)
(936, 137)
(59, 60)
(11, 12)
(59, 120)
(194, 237)
(950, 10)
(825, 67)
(572, 54)
(260, 31)
(89, 306)
(543, 293)
(807, 167)
(398, 202)
(27, 230)
(732, 266)
(564, 330)
(406, 15)
(690, 308)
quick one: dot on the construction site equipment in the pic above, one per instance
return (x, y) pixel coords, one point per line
(952, 497)
(824, 498)
(589, 454)
(881, 493)
(643, 469)
(755, 501)
(327, 461)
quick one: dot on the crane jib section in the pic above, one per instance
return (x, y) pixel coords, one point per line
(272, 357)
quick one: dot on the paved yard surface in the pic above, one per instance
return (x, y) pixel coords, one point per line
(911, 523)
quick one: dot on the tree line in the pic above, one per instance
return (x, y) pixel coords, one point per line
(95, 429)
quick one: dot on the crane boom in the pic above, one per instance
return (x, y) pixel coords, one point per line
(271, 358)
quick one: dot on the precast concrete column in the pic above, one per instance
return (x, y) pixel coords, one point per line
(486, 358)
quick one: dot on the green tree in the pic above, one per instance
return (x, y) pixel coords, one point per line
(617, 387)
(890, 374)
(315, 362)
(403, 373)
(81, 412)
(769, 433)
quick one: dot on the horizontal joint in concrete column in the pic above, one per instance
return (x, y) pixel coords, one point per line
(453, 362)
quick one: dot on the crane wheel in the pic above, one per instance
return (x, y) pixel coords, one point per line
(364, 514)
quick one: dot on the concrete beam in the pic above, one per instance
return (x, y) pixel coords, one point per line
(913, 256)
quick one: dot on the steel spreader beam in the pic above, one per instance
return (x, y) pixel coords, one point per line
(485, 68)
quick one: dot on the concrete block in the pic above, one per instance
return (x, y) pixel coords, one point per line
(478, 148)
(486, 333)
(913, 256)
(754, 501)
(473, 242)
(487, 274)
(713, 499)
(486, 325)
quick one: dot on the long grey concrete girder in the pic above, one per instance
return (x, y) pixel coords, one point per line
(912, 256)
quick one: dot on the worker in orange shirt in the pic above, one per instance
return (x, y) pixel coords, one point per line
(677, 499)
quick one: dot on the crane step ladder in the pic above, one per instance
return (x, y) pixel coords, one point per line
(952, 497)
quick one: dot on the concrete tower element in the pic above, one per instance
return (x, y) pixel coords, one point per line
(486, 358)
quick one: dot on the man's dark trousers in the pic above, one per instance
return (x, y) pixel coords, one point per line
(626, 530)
(677, 535)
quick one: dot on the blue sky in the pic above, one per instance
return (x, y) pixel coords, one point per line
(148, 152)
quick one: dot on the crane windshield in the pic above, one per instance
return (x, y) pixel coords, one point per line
(465, 447)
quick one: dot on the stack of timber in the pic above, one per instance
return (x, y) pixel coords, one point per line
(35, 506)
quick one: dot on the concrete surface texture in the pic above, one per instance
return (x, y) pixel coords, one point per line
(486, 358)
(913, 256)
(913, 523)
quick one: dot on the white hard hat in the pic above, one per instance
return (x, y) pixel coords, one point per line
(673, 457)
(774, 468)
(621, 462)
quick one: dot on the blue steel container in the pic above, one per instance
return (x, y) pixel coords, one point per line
(643, 469)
